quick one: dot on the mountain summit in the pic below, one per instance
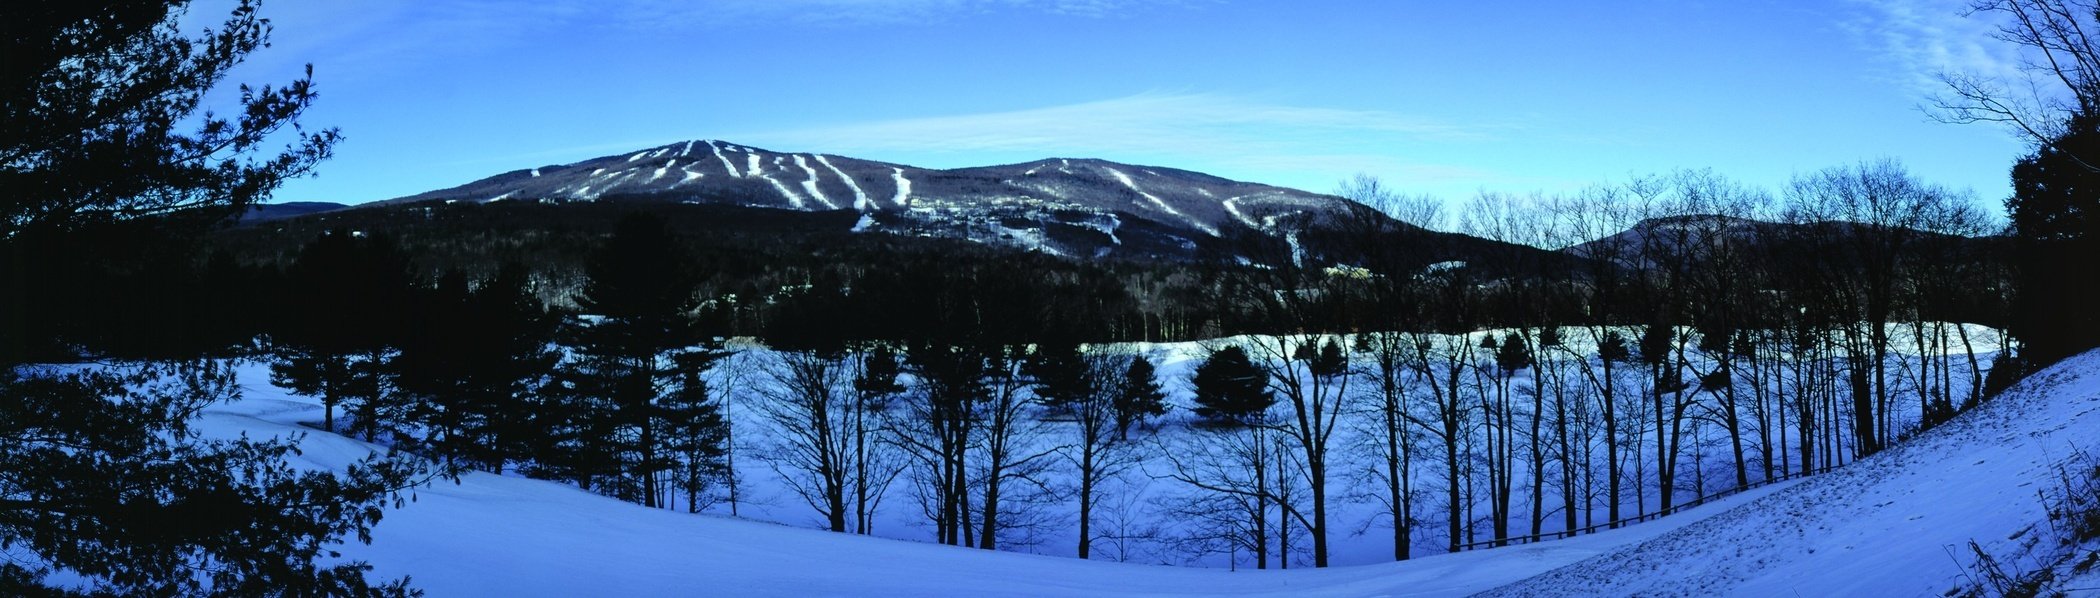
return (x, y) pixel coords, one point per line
(1075, 207)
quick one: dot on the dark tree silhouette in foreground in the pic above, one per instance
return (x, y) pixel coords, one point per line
(102, 126)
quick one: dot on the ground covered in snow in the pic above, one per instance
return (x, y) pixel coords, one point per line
(1895, 524)
(510, 536)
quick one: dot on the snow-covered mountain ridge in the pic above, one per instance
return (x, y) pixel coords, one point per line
(1075, 207)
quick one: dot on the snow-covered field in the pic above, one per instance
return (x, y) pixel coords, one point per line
(1897, 523)
(491, 535)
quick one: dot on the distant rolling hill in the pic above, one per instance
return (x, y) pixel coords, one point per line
(1080, 208)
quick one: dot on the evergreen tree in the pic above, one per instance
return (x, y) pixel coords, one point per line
(103, 122)
(1138, 396)
(1512, 355)
(1060, 375)
(696, 428)
(2055, 210)
(1230, 389)
(341, 317)
(632, 388)
(1328, 362)
(471, 367)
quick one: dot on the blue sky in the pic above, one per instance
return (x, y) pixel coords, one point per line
(1445, 98)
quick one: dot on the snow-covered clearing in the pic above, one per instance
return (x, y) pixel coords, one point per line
(1884, 525)
(492, 535)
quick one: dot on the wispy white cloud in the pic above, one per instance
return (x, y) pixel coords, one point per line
(1295, 145)
(1152, 123)
(1926, 38)
(688, 13)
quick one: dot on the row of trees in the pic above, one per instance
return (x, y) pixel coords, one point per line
(483, 376)
(1709, 308)
(1699, 306)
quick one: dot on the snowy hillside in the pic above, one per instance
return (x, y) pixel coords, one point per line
(1076, 207)
(509, 536)
(1894, 524)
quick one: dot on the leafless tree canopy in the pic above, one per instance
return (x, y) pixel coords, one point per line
(2058, 73)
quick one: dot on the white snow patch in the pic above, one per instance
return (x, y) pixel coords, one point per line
(860, 198)
(810, 185)
(688, 149)
(866, 223)
(637, 156)
(535, 172)
(500, 197)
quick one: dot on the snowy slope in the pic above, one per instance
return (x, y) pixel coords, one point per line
(508, 536)
(1895, 524)
(1074, 207)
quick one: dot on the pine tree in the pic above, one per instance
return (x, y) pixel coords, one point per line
(636, 350)
(341, 317)
(103, 122)
(1230, 389)
(1060, 375)
(2056, 233)
(1513, 355)
(1139, 396)
(472, 364)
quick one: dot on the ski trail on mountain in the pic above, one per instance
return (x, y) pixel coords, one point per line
(758, 170)
(1162, 204)
(903, 187)
(811, 184)
(1232, 207)
(860, 198)
(726, 164)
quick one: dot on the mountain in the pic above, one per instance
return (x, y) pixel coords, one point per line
(1074, 207)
